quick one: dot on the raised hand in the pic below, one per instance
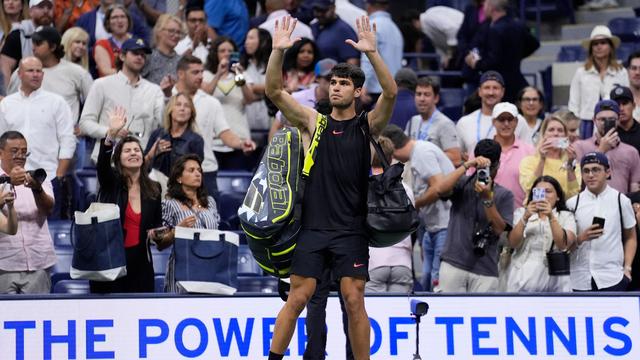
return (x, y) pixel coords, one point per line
(117, 120)
(366, 36)
(282, 33)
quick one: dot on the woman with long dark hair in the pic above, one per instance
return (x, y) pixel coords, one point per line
(127, 184)
(531, 107)
(544, 220)
(257, 48)
(298, 65)
(187, 205)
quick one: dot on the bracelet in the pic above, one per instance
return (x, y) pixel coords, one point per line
(465, 166)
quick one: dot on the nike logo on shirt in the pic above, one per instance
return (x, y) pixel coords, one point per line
(337, 132)
(356, 265)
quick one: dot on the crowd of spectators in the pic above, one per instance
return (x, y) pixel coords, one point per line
(168, 98)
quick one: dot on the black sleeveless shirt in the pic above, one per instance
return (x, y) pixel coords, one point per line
(335, 195)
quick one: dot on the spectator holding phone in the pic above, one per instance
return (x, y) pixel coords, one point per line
(602, 257)
(624, 158)
(554, 156)
(544, 222)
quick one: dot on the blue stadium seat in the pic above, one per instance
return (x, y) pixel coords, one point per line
(160, 260)
(60, 232)
(62, 267)
(237, 181)
(158, 284)
(570, 53)
(85, 188)
(229, 203)
(627, 29)
(75, 287)
(451, 101)
(262, 284)
(247, 265)
(624, 50)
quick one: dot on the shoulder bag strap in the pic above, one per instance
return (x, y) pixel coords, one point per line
(364, 126)
(621, 222)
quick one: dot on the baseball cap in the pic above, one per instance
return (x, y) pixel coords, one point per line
(407, 78)
(48, 34)
(323, 4)
(492, 75)
(33, 3)
(324, 66)
(135, 43)
(594, 158)
(504, 107)
(603, 105)
(621, 92)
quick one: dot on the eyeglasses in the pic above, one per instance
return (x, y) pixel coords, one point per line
(196, 20)
(505, 119)
(530, 100)
(594, 170)
(19, 154)
(605, 119)
(173, 32)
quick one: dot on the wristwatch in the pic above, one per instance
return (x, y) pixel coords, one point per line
(487, 203)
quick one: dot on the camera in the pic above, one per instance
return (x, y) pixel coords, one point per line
(484, 174)
(39, 175)
(419, 308)
(482, 238)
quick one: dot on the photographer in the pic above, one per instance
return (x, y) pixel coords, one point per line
(27, 250)
(470, 255)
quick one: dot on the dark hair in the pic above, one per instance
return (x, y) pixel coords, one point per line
(471, 103)
(387, 149)
(148, 188)
(488, 148)
(10, 135)
(111, 9)
(194, 5)
(291, 56)
(174, 189)
(58, 51)
(396, 135)
(348, 71)
(262, 52)
(561, 203)
(426, 81)
(524, 90)
(633, 55)
(212, 58)
(185, 61)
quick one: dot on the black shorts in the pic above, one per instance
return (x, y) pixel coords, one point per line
(345, 253)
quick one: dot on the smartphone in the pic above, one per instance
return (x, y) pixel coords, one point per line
(562, 143)
(608, 125)
(539, 194)
(234, 58)
(598, 221)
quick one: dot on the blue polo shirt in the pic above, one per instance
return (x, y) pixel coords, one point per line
(228, 17)
(330, 40)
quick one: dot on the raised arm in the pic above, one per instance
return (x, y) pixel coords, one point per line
(379, 116)
(300, 116)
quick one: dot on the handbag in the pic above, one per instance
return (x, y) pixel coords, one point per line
(391, 216)
(98, 244)
(559, 261)
(206, 261)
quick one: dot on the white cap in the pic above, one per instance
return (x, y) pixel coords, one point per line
(33, 3)
(504, 107)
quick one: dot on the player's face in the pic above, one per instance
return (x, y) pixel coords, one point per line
(342, 92)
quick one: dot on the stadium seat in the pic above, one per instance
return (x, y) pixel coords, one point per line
(158, 284)
(451, 101)
(230, 201)
(627, 29)
(60, 232)
(262, 284)
(85, 188)
(624, 50)
(74, 287)
(247, 265)
(421, 61)
(570, 53)
(237, 181)
(160, 260)
(62, 267)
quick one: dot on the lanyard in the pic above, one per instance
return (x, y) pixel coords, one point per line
(424, 129)
(478, 138)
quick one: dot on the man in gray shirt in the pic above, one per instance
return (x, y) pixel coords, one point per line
(480, 212)
(429, 165)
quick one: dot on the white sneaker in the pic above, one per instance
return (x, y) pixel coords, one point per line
(599, 5)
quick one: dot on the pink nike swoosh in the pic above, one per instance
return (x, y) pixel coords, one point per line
(337, 132)
(356, 265)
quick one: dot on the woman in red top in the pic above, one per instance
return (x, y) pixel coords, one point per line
(118, 23)
(127, 184)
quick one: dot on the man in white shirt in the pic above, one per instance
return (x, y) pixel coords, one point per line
(209, 117)
(606, 243)
(195, 43)
(479, 124)
(142, 100)
(633, 69)
(441, 25)
(277, 11)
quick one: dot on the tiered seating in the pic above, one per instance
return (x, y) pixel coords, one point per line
(627, 29)
(451, 101)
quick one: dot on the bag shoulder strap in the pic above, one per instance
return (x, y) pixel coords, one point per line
(621, 221)
(310, 156)
(575, 209)
(364, 126)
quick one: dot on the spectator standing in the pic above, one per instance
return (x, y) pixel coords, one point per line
(257, 48)
(142, 100)
(627, 127)
(602, 257)
(196, 42)
(635, 267)
(67, 12)
(277, 10)
(624, 158)
(117, 22)
(27, 247)
(330, 33)
(507, 42)
(390, 46)
(75, 44)
(349, 12)
(441, 25)
(432, 125)
(474, 17)
(571, 122)
(406, 80)
(537, 225)
(470, 254)
(299, 63)
(210, 119)
(531, 106)
(18, 43)
(478, 125)
(596, 78)
(554, 157)
(429, 166)
(227, 18)
(633, 69)
(127, 184)
(12, 12)
(163, 59)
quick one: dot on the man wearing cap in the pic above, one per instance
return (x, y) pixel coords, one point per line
(479, 124)
(603, 256)
(18, 43)
(628, 128)
(142, 100)
(331, 32)
(624, 158)
(406, 80)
